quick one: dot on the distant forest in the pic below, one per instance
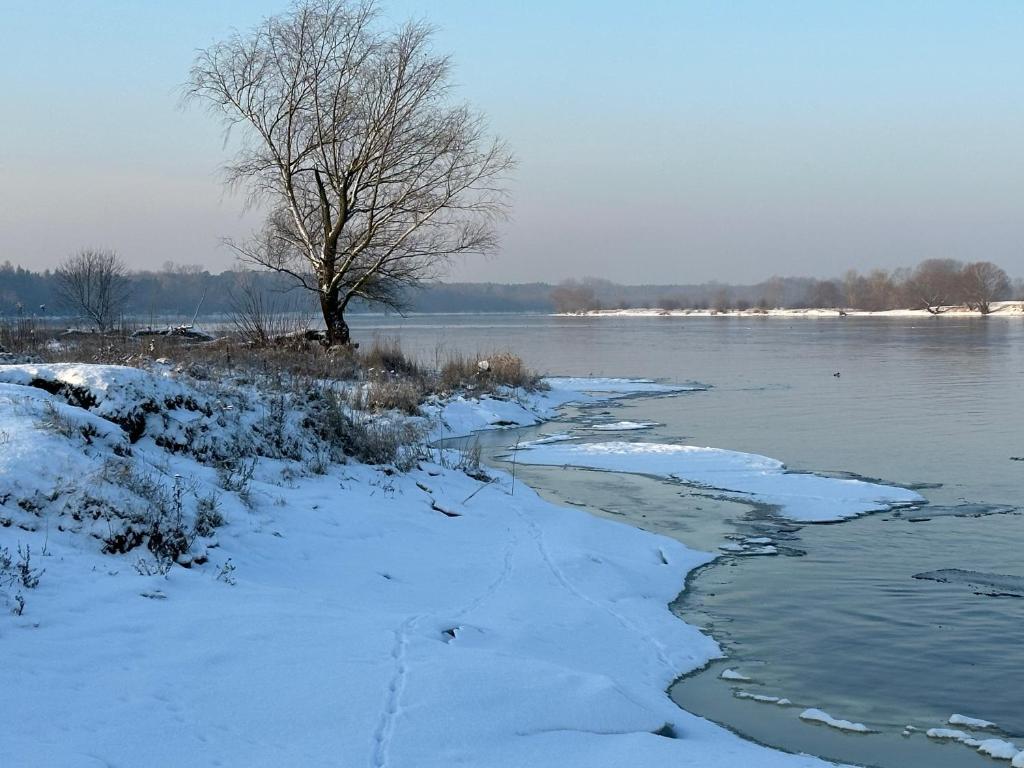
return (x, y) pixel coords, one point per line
(176, 292)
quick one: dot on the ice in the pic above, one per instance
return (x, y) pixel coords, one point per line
(797, 496)
(624, 426)
(732, 674)
(762, 698)
(998, 749)
(611, 387)
(818, 716)
(994, 584)
(558, 437)
(970, 722)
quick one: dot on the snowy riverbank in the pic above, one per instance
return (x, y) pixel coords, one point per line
(999, 309)
(341, 615)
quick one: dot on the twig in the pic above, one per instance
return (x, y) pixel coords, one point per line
(515, 449)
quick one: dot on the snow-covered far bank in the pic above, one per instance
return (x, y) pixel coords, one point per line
(998, 309)
(797, 496)
(317, 613)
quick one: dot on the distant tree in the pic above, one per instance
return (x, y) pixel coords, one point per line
(95, 284)
(935, 285)
(982, 283)
(374, 176)
(823, 294)
(773, 293)
(571, 296)
(722, 301)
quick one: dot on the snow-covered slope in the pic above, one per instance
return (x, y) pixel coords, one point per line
(355, 617)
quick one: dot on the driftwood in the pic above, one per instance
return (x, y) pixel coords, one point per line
(180, 331)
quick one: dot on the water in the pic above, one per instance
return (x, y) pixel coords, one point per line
(838, 620)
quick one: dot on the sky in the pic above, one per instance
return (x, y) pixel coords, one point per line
(658, 141)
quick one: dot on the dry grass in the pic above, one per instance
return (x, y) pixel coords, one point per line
(387, 378)
(486, 373)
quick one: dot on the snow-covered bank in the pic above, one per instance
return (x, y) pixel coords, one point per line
(341, 614)
(998, 309)
(798, 496)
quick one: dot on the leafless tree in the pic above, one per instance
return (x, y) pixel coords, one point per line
(94, 283)
(373, 174)
(262, 317)
(983, 282)
(935, 285)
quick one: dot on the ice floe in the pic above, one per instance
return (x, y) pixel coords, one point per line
(1000, 749)
(761, 698)
(819, 716)
(970, 722)
(732, 674)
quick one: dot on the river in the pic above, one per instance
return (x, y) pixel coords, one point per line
(841, 619)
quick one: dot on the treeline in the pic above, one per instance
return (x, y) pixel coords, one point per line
(934, 285)
(177, 291)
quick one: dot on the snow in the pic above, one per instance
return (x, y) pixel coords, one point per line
(340, 618)
(970, 722)
(819, 716)
(797, 496)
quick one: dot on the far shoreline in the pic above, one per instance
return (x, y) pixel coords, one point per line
(999, 309)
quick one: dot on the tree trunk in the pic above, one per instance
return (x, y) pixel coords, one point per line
(334, 318)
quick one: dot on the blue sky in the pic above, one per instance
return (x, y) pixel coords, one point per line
(658, 141)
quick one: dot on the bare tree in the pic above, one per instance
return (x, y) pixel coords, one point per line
(374, 176)
(935, 284)
(983, 282)
(94, 283)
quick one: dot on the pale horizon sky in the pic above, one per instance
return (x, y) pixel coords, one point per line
(659, 142)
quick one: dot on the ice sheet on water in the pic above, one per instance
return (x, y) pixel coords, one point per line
(624, 426)
(620, 387)
(798, 496)
(992, 584)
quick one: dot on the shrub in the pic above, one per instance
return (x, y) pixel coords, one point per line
(385, 356)
(485, 373)
(208, 516)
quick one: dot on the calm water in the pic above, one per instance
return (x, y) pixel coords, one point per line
(838, 620)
